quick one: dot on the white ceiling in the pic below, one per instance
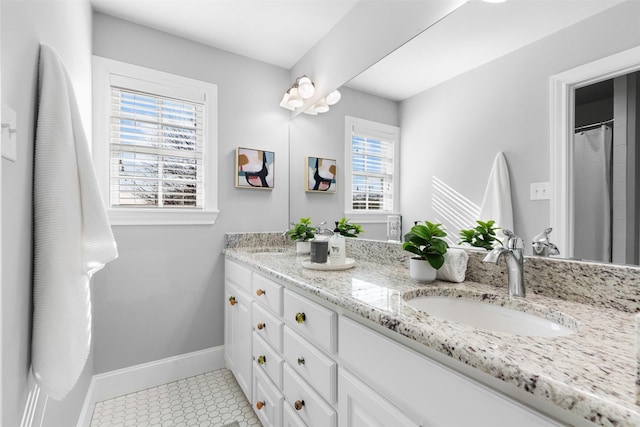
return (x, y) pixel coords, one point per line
(280, 32)
(474, 34)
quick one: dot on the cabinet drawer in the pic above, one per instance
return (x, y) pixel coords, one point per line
(290, 418)
(238, 275)
(308, 404)
(267, 360)
(268, 293)
(313, 321)
(316, 368)
(267, 399)
(267, 326)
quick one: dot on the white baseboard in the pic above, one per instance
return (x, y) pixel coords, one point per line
(140, 377)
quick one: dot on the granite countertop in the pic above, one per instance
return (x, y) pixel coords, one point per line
(590, 373)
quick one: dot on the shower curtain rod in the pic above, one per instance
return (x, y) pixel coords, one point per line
(593, 125)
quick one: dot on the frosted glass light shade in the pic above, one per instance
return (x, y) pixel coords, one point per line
(294, 99)
(305, 87)
(285, 102)
(333, 97)
(321, 106)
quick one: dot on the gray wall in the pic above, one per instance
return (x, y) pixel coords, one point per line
(65, 26)
(324, 136)
(164, 295)
(453, 131)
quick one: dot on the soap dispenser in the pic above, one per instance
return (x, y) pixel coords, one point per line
(337, 254)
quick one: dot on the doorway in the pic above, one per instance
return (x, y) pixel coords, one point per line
(562, 121)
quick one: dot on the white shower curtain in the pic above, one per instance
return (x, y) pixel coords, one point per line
(592, 194)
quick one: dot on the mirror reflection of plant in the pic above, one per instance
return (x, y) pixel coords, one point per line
(348, 229)
(482, 236)
(302, 231)
(427, 242)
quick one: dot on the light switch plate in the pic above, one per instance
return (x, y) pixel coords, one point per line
(540, 191)
(9, 133)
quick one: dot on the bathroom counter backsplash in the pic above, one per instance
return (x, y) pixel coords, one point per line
(600, 285)
(591, 373)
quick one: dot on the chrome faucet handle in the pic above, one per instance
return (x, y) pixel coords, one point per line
(512, 242)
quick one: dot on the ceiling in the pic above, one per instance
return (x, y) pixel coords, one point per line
(280, 32)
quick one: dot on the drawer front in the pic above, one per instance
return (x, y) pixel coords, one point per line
(238, 275)
(311, 320)
(267, 360)
(290, 418)
(267, 399)
(268, 293)
(315, 367)
(308, 404)
(268, 327)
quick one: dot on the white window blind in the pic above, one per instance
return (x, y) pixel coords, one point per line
(156, 151)
(372, 168)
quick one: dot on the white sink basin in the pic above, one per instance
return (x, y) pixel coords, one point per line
(491, 317)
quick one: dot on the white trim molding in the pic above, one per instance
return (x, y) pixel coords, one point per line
(107, 73)
(140, 377)
(562, 124)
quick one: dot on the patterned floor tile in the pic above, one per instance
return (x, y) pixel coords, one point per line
(213, 399)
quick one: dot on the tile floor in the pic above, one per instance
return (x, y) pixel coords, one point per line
(211, 399)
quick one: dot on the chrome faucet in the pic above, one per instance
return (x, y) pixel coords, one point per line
(515, 262)
(542, 246)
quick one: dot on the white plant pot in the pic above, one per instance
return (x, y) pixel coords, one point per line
(303, 248)
(421, 271)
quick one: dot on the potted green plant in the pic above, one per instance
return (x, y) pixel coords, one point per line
(481, 236)
(426, 242)
(301, 233)
(348, 229)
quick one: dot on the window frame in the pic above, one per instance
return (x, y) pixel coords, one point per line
(365, 216)
(106, 71)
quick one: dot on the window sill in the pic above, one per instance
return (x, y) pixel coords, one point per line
(142, 216)
(368, 217)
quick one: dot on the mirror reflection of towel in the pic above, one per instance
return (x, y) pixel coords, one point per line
(72, 236)
(496, 203)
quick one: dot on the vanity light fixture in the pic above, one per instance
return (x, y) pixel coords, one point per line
(303, 88)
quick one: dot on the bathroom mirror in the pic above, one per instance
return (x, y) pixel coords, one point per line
(480, 128)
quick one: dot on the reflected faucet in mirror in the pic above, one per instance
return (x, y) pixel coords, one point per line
(542, 246)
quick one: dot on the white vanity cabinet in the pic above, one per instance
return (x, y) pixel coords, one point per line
(238, 336)
(302, 364)
(360, 405)
(433, 394)
(237, 329)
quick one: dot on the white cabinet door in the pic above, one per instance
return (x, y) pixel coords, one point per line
(237, 337)
(361, 406)
(437, 395)
(267, 399)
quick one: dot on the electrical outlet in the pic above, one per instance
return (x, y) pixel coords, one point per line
(540, 191)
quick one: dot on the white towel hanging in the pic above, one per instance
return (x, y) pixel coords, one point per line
(72, 236)
(496, 203)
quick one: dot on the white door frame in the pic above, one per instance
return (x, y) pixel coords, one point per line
(562, 124)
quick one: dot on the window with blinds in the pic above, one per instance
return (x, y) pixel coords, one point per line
(373, 165)
(155, 145)
(156, 151)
